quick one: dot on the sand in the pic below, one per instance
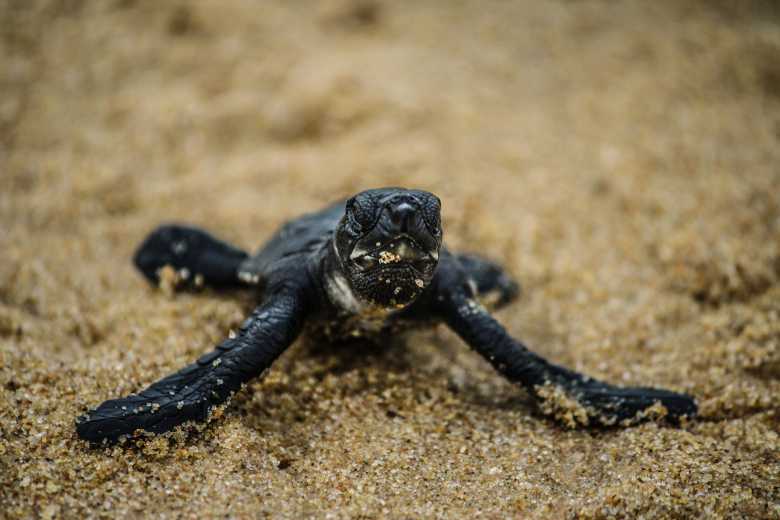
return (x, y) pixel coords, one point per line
(622, 159)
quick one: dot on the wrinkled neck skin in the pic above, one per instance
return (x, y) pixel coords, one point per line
(338, 291)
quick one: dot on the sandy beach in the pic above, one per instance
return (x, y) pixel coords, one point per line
(621, 159)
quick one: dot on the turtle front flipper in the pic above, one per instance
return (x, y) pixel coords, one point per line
(193, 393)
(197, 258)
(572, 398)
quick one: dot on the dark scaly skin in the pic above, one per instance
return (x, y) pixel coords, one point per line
(601, 402)
(372, 264)
(193, 392)
(183, 247)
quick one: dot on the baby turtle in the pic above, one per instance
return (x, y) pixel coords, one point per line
(371, 265)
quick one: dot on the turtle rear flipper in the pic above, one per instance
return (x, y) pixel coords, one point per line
(197, 258)
(495, 287)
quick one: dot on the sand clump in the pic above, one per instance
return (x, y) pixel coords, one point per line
(619, 158)
(565, 408)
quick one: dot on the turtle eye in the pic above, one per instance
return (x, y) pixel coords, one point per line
(366, 262)
(422, 264)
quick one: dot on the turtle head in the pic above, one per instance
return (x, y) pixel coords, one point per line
(388, 244)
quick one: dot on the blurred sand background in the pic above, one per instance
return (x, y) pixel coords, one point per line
(621, 158)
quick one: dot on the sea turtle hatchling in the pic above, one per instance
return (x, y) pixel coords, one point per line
(371, 265)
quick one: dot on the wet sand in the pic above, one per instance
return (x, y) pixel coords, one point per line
(622, 159)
